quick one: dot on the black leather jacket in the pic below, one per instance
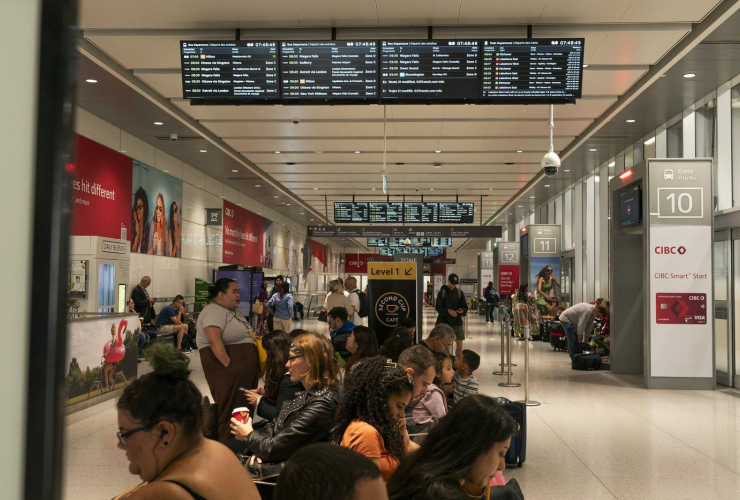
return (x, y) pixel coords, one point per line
(307, 419)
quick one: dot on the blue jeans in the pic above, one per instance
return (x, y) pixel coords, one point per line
(490, 306)
(570, 337)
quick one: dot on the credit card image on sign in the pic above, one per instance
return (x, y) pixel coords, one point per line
(329, 70)
(534, 70)
(681, 308)
(239, 70)
(417, 70)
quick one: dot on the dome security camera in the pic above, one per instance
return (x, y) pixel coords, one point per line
(174, 137)
(551, 163)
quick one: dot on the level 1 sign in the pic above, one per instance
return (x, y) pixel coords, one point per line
(392, 295)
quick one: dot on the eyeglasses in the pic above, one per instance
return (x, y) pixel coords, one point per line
(447, 346)
(293, 358)
(160, 208)
(122, 436)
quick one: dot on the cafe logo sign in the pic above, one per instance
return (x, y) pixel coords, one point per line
(390, 308)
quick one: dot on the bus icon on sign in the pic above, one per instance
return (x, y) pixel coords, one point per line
(668, 174)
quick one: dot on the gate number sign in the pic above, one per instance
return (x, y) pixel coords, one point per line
(681, 203)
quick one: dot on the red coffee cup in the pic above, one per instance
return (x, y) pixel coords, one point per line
(241, 414)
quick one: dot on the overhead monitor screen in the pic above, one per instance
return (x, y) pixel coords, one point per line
(525, 245)
(456, 213)
(416, 70)
(629, 206)
(350, 212)
(421, 213)
(238, 70)
(329, 70)
(386, 212)
(541, 70)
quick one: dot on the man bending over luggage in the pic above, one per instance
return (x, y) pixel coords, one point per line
(578, 323)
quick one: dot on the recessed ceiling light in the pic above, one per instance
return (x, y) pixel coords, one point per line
(375, 189)
(431, 189)
(167, 171)
(689, 75)
(518, 206)
(585, 65)
(315, 189)
(203, 151)
(612, 163)
(303, 213)
(234, 170)
(276, 196)
(311, 219)
(437, 165)
(122, 151)
(519, 151)
(91, 80)
(650, 141)
(318, 152)
(593, 150)
(258, 185)
(531, 196)
(568, 170)
(357, 152)
(438, 151)
(287, 204)
(239, 204)
(158, 123)
(630, 121)
(490, 189)
(547, 185)
(277, 152)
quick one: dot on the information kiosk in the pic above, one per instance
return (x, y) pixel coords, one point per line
(98, 275)
(660, 277)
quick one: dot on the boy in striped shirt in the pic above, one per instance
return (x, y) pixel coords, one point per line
(464, 383)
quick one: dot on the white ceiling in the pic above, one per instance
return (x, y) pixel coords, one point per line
(479, 143)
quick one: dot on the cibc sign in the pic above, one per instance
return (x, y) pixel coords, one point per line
(681, 302)
(508, 268)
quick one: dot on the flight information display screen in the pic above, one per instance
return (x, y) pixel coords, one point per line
(350, 212)
(421, 213)
(326, 70)
(237, 69)
(413, 242)
(532, 69)
(429, 70)
(456, 213)
(386, 212)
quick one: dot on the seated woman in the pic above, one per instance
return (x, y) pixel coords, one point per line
(160, 426)
(278, 388)
(371, 417)
(362, 343)
(433, 405)
(396, 342)
(460, 456)
(309, 417)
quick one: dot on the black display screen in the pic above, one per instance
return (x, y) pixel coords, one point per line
(230, 70)
(525, 245)
(329, 70)
(630, 202)
(416, 70)
(350, 212)
(386, 212)
(456, 213)
(421, 213)
(542, 70)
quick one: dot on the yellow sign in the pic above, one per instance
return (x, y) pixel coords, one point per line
(391, 270)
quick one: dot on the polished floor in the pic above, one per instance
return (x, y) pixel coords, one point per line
(595, 435)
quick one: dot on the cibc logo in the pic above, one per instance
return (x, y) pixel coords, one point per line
(670, 250)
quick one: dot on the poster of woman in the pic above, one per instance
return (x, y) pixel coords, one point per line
(156, 212)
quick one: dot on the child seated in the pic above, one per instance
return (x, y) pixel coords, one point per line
(433, 406)
(464, 382)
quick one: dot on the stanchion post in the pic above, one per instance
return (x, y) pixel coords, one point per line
(526, 400)
(502, 369)
(508, 382)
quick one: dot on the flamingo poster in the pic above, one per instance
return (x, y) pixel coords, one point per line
(101, 356)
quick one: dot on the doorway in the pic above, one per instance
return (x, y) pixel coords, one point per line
(567, 278)
(726, 266)
(107, 288)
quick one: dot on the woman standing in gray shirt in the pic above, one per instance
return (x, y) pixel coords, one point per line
(228, 352)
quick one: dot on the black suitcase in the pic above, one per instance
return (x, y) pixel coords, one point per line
(582, 347)
(586, 362)
(557, 341)
(518, 449)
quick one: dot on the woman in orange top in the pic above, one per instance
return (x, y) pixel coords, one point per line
(371, 417)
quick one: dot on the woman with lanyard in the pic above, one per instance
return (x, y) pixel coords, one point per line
(228, 352)
(546, 296)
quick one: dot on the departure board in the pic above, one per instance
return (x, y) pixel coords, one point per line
(326, 70)
(429, 70)
(386, 212)
(237, 69)
(456, 213)
(420, 213)
(350, 212)
(532, 69)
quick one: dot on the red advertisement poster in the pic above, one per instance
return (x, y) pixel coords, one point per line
(508, 280)
(101, 190)
(243, 236)
(356, 263)
(681, 308)
(319, 251)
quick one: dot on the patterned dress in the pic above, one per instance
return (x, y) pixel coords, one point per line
(525, 312)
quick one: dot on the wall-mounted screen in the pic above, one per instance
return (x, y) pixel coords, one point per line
(413, 70)
(329, 70)
(525, 245)
(456, 213)
(237, 70)
(351, 212)
(421, 213)
(630, 202)
(538, 70)
(386, 212)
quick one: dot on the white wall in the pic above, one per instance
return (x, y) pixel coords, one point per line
(172, 276)
(19, 29)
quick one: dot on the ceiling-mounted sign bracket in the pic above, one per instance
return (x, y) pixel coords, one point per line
(238, 34)
(529, 31)
(430, 32)
(333, 33)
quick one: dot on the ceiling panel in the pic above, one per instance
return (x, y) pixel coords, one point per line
(584, 108)
(241, 14)
(417, 12)
(233, 112)
(540, 128)
(335, 13)
(610, 82)
(107, 14)
(501, 11)
(635, 47)
(665, 11)
(584, 11)
(168, 85)
(175, 13)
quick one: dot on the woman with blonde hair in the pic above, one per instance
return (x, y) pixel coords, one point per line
(307, 419)
(336, 298)
(158, 233)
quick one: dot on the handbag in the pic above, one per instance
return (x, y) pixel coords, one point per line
(322, 316)
(258, 307)
(261, 352)
(261, 471)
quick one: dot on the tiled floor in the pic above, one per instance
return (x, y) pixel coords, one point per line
(596, 435)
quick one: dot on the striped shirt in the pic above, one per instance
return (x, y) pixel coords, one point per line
(464, 386)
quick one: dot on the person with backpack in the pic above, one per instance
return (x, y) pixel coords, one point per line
(359, 301)
(451, 306)
(492, 299)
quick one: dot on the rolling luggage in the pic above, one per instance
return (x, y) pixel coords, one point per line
(586, 362)
(582, 347)
(518, 450)
(557, 341)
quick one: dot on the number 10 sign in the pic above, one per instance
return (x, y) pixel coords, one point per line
(681, 203)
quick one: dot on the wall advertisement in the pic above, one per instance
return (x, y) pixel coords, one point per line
(508, 268)
(100, 190)
(156, 221)
(243, 279)
(243, 236)
(356, 263)
(391, 294)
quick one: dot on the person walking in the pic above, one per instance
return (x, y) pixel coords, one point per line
(282, 306)
(451, 306)
(492, 299)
